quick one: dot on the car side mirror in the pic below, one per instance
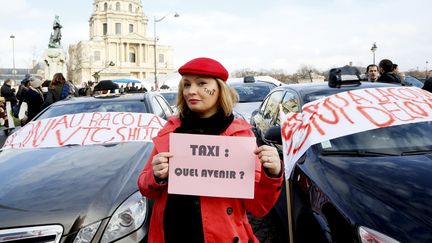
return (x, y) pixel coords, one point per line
(273, 135)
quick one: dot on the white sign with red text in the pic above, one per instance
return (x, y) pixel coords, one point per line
(348, 113)
(86, 129)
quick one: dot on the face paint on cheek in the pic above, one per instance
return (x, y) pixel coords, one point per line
(209, 92)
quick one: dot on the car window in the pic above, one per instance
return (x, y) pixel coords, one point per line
(165, 107)
(290, 103)
(171, 97)
(96, 106)
(253, 92)
(271, 109)
(394, 139)
(263, 105)
(157, 108)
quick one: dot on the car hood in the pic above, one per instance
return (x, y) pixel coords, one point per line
(72, 186)
(389, 194)
(246, 109)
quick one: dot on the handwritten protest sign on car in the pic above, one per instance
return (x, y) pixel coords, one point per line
(217, 166)
(86, 129)
(351, 112)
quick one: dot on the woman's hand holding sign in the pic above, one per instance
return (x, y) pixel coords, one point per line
(160, 165)
(270, 160)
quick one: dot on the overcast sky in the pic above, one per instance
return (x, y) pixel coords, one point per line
(254, 34)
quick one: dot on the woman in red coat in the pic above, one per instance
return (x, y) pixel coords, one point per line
(205, 106)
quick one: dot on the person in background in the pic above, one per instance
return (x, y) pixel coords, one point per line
(34, 98)
(398, 73)
(23, 87)
(22, 90)
(89, 91)
(58, 89)
(372, 72)
(387, 74)
(9, 94)
(205, 106)
(428, 85)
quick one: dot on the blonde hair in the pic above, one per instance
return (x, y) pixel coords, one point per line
(228, 97)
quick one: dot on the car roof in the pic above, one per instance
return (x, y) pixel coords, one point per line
(307, 88)
(254, 79)
(256, 83)
(116, 97)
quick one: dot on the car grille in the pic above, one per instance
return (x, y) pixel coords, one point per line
(39, 234)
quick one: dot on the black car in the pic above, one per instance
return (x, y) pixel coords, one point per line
(372, 186)
(78, 193)
(251, 93)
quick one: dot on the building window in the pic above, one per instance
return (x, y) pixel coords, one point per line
(117, 6)
(132, 56)
(118, 29)
(161, 58)
(105, 28)
(105, 6)
(96, 55)
(130, 28)
(130, 8)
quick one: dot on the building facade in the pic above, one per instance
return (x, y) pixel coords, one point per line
(118, 46)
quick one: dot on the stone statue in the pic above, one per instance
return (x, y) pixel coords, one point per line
(55, 37)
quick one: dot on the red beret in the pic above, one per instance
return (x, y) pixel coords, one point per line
(204, 66)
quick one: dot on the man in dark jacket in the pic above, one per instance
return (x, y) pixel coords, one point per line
(34, 98)
(22, 89)
(387, 75)
(8, 92)
(428, 85)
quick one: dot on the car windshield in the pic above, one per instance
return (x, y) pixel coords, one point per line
(253, 92)
(96, 106)
(411, 81)
(171, 97)
(395, 140)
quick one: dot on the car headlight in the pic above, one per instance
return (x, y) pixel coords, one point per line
(127, 218)
(87, 233)
(371, 236)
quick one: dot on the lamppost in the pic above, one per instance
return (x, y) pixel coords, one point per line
(373, 49)
(427, 74)
(13, 56)
(96, 74)
(155, 45)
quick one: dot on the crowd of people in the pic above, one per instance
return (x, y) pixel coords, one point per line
(30, 98)
(388, 72)
(385, 72)
(34, 94)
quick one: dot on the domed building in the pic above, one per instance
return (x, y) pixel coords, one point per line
(118, 46)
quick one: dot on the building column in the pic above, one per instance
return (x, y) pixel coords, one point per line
(127, 52)
(147, 53)
(117, 53)
(107, 53)
(139, 54)
(121, 52)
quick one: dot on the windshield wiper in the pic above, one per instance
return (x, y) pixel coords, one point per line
(359, 153)
(417, 152)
